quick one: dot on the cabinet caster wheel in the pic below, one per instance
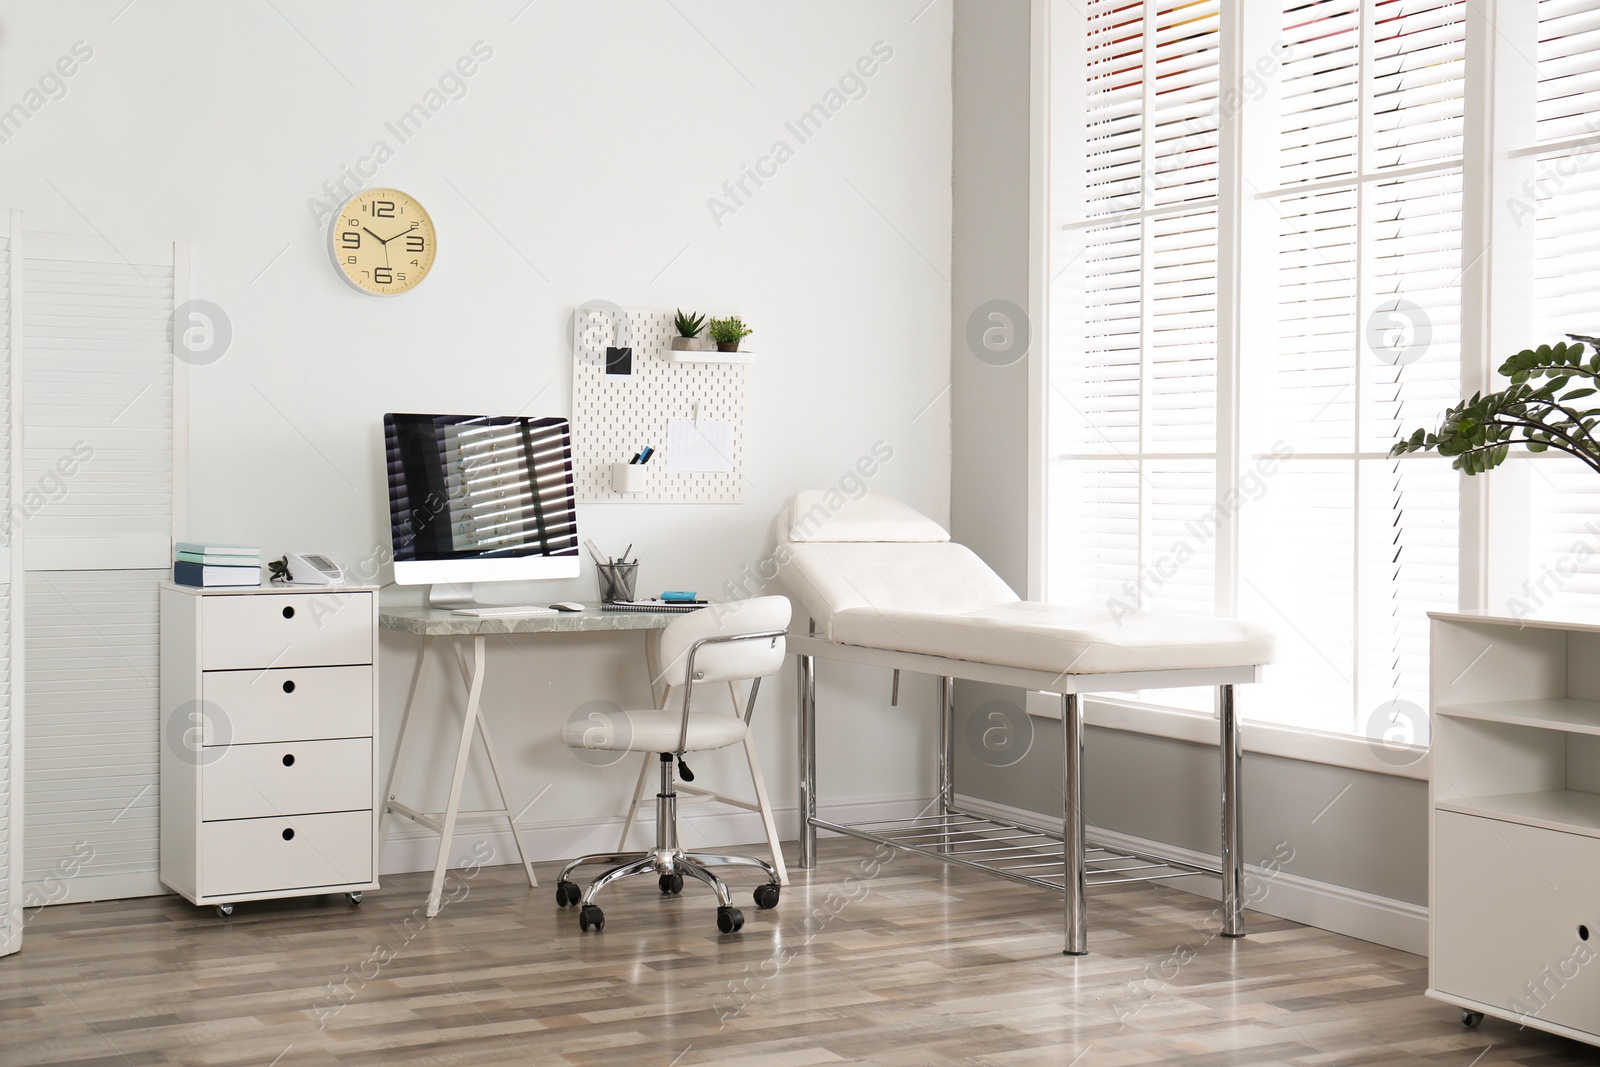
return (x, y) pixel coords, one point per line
(567, 894)
(224, 910)
(729, 920)
(589, 916)
(354, 899)
(671, 883)
(767, 895)
(1471, 1018)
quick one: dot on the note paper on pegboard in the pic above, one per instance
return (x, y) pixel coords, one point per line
(614, 417)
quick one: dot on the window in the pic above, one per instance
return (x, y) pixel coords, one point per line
(1189, 474)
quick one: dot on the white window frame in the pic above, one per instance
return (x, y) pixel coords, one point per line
(1497, 317)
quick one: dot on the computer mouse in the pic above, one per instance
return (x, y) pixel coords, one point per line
(568, 605)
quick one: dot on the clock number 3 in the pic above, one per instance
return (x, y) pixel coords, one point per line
(415, 243)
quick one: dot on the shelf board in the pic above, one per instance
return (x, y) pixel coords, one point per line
(699, 355)
(1562, 809)
(1561, 713)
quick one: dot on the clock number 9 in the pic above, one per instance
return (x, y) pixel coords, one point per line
(415, 243)
(382, 276)
(383, 209)
(351, 238)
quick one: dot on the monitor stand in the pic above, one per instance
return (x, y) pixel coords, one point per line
(447, 595)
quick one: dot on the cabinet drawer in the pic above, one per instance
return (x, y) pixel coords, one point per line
(285, 630)
(262, 856)
(1508, 901)
(287, 704)
(287, 778)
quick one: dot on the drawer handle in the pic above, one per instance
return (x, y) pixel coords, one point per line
(288, 833)
(288, 686)
(288, 611)
(288, 759)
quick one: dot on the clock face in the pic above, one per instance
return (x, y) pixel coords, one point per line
(383, 241)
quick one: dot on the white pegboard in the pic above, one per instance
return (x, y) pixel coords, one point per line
(614, 417)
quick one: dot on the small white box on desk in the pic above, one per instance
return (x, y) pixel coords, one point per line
(629, 478)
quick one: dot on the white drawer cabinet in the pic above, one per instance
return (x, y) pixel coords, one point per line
(1514, 922)
(269, 748)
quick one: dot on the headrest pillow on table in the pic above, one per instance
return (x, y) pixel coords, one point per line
(818, 515)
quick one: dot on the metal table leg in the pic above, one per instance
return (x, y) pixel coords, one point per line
(1073, 859)
(1232, 815)
(807, 674)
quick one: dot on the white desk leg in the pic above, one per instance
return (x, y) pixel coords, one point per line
(417, 674)
(1232, 814)
(1073, 859)
(447, 830)
(499, 782)
(806, 672)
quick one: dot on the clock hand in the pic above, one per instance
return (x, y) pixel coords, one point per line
(402, 233)
(375, 237)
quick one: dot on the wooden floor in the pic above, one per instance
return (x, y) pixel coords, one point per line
(898, 962)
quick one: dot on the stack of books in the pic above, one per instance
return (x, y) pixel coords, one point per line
(207, 565)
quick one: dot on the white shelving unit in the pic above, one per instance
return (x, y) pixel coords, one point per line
(1515, 796)
(269, 756)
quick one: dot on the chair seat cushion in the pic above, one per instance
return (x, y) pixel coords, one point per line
(656, 731)
(1055, 637)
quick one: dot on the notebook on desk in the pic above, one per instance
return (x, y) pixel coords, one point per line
(676, 607)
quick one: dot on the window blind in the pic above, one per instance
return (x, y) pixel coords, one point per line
(1563, 572)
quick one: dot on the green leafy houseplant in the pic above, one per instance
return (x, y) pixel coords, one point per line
(727, 333)
(1535, 410)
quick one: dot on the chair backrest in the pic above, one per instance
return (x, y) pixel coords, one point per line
(725, 661)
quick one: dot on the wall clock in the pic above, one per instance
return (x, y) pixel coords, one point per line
(383, 242)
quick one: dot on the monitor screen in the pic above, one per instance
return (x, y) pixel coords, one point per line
(480, 497)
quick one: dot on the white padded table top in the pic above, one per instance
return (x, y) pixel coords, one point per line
(938, 598)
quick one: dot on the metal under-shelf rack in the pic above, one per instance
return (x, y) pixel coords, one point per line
(1031, 855)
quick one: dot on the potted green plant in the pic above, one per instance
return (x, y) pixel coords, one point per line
(689, 327)
(727, 333)
(1535, 410)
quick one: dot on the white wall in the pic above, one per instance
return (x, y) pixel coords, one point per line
(577, 166)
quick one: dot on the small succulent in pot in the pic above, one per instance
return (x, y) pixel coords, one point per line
(689, 326)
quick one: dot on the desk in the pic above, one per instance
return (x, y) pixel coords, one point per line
(469, 637)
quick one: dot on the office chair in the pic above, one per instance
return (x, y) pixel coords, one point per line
(722, 643)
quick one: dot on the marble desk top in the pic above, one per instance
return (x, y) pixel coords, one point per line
(441, 622)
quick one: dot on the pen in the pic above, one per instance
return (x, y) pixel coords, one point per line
(635, 458)
(625, 553)
(649, 450)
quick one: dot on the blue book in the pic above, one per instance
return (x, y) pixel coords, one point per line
(205, 577)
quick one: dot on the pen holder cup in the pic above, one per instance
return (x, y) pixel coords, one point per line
(629, 478)
(617, 582)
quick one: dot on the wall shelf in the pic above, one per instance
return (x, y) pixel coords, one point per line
(706, 356)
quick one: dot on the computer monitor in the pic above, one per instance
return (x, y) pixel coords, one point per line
(479, 498)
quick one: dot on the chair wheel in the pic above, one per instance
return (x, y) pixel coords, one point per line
(729, 920)
(354, 899)
(567, 894)
(591, 916)
(1471, 1018)
(224, 910)
(767, 895)
(671, 883)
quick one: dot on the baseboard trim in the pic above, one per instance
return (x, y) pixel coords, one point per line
(711, 826)
(1340, 909)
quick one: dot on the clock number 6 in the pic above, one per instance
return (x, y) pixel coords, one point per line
(351, 238)
(383, 209)
(382, 276)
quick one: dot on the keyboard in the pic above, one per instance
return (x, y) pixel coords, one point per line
(511, 611)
